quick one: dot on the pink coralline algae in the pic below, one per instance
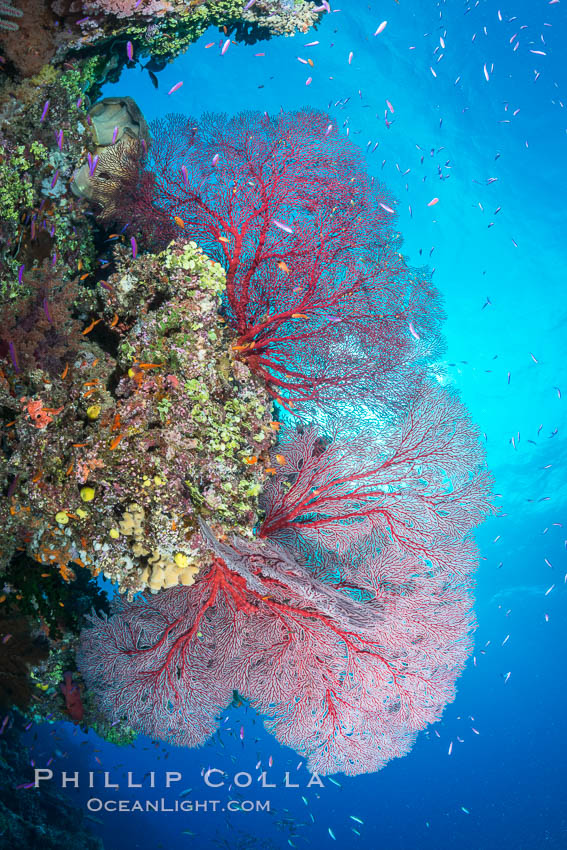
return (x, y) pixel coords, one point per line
(39, 415)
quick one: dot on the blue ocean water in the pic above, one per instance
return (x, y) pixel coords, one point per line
(465, 102)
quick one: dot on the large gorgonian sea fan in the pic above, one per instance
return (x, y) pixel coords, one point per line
(421, 484)
(346, 683)
(347, 622)
(325, 306)
(347, 650)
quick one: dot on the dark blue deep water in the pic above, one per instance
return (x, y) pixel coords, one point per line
(494, 152)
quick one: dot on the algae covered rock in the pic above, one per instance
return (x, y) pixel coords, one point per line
(152, 426)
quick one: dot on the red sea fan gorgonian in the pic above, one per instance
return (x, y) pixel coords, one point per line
(348, 653)
(414, 486)
(344, 682)
(348, 620)
(325, 307)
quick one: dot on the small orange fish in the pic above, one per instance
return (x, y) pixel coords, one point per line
(116, 441)
(310, 62)
(90, 392)
(78, 445)
(283, 267)
(80, 265)
(65, 372)
(251, 460)
(299, 316)
(271, 470)
(116, 423)
(275, 426)
(149, 365)
(114, 321)
(179, 221)
(281, 460)
(223, 239)
(84, 276)
(91, 326)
